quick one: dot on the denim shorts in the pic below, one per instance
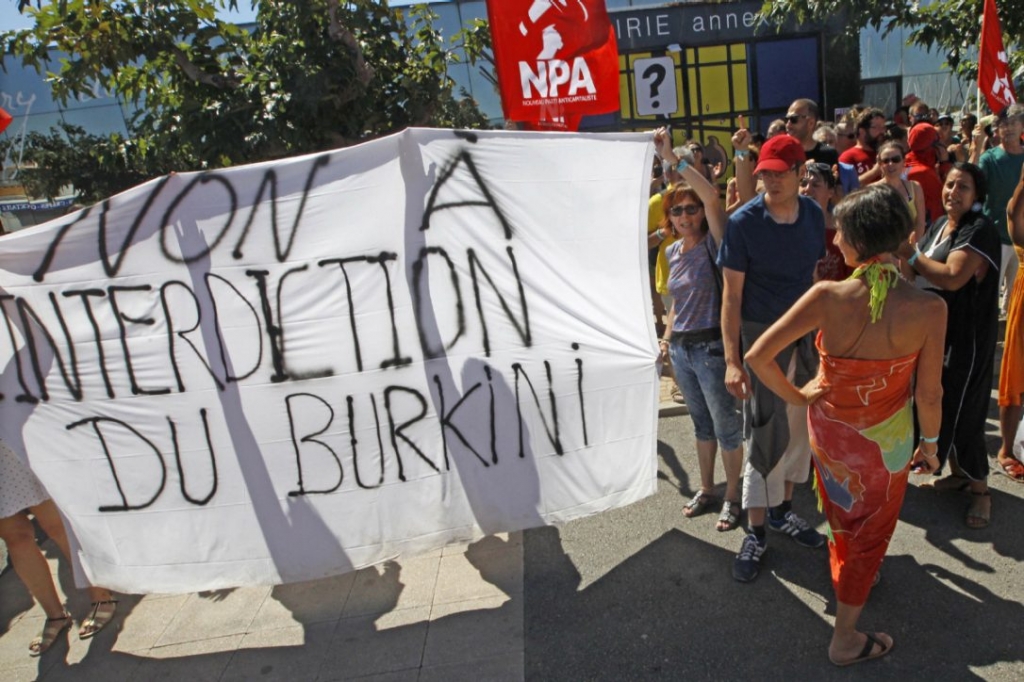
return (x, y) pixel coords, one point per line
(700, 375)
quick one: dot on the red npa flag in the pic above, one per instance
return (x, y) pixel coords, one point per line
(5, 120)
(556, 60)
(994, 79)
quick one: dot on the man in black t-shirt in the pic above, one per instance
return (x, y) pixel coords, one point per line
(801, 120)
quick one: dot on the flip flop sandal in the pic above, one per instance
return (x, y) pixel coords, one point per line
(98, 618)
(865, 653)
(698, 505)
(729, 519)
(1012, 469)
(51, 631)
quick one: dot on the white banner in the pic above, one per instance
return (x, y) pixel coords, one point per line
(288, 370)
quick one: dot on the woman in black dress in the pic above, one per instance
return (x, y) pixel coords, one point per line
(958, 258)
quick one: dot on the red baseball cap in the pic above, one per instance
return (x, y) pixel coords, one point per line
(780, 153)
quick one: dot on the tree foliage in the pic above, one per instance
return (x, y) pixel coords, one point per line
(952, 27)
(309, 76)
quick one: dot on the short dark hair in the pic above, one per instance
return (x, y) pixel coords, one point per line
(823, 171)
(873, 220)
(865, 117)
(978, 175)
(810, 105)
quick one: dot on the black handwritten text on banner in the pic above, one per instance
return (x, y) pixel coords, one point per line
(283, 371)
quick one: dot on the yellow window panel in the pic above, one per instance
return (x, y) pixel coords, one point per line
(714, 90)
(740, 87)
(625, 96)
(715, 53)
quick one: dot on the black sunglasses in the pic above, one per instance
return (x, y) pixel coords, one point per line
(793, 118)
(891, 159)
(689, 209)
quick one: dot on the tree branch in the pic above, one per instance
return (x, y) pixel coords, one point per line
(216, 80)
(364, 72)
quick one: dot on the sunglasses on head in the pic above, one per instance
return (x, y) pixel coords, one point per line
(689, 209)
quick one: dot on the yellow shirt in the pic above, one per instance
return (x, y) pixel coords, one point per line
(655, 214)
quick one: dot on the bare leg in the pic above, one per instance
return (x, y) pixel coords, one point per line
(788, 496)
(30, 564)
(706, 450)
(732, 461)
(847, 643)
(1009, 420)
(755, 516)
(979, 512)
(49, 519)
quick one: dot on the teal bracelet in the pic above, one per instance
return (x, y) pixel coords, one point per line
(910, 261)
(682, 165)
(929, 440)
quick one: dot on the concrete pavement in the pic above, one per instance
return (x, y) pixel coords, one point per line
(634, 593)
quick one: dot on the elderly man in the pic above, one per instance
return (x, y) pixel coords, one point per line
(801, 120)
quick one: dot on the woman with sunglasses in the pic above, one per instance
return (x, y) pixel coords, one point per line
(893, 166)
(693, 341)
(819, 184)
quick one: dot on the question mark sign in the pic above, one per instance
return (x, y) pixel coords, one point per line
(656, 72)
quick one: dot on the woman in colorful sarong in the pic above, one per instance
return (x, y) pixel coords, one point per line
(880, 341)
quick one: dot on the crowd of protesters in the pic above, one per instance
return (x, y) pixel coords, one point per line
(842, 257)
(836, 310)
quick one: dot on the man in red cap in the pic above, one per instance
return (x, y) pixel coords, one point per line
(768, 255)
(922, 160)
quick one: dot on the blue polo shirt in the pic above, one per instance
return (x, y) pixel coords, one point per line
(778, 260)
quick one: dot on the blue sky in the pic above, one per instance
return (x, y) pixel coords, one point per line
(11, 19)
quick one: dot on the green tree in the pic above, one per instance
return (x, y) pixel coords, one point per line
(950, 26)
(309, 76)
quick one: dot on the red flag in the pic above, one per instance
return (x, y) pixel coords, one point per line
(557, 60)
(994, 78)
(5, 120)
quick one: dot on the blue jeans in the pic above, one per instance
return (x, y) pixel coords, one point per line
(700, 375)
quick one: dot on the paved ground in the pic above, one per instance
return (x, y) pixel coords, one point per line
(635, 593)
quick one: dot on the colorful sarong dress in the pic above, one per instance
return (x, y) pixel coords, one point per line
(862, 439)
